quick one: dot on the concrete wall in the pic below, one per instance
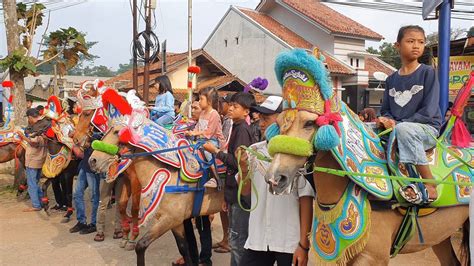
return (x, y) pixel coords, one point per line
(179, 77)
(254, 54)
(344, 46)
(303, 28)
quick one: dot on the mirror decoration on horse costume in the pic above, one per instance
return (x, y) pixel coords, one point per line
(341, 232)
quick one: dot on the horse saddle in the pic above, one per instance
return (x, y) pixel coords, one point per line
(9, 135)
(192, 162)
(154, 137)
(361, 151)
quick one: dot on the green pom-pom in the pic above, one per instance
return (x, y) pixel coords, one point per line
(326, 138)
(290, 145)
(105, 147)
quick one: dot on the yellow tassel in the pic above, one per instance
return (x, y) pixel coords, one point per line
(329, 216)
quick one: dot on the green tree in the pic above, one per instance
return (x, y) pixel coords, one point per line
(388, 53)
(456, 33)
(63, 48)
(126, 67)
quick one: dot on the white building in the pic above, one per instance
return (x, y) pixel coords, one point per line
(247, 41)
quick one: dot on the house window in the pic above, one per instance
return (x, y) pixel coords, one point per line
(357, 62)
(352, 61)
(237, 40)
(225, 42)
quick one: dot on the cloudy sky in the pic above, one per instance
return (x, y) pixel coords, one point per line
(109, 22)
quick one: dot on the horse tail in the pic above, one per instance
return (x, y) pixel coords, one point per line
(465, 249)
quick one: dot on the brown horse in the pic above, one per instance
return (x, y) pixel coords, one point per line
(15, 151)
(310, 106)
(173, 209)
(131, 185)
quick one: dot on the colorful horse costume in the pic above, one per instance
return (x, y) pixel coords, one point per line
(341, 231)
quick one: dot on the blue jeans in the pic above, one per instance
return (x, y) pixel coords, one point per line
(84, 180)
(164, 120)
(413, 140)
(207, 154)
(33, 176)
(238, 233)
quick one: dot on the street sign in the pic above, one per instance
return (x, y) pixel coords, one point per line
(429, 6)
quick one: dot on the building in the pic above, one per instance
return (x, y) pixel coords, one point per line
(212, 74)
(255, 37)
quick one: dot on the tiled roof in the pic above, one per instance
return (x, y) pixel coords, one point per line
(216, 82)
(124, 80)
(374, 64)
(331, 19)
(294, 39)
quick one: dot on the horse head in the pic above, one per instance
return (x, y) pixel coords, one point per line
(89, 98)
(309, 121)
(104, 158)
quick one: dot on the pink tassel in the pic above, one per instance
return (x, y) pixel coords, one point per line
(460, 136)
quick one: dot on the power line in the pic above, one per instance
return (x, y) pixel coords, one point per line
(412, 7)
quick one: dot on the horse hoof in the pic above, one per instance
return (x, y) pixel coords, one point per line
(130, 246)
(123, 242)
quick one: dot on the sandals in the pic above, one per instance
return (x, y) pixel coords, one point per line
(421, 197)
(99, 237)
(178, 262)
(118, 234)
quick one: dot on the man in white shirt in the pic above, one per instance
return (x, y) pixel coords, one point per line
(279, 226)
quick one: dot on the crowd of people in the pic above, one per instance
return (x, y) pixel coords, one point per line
(267, 234)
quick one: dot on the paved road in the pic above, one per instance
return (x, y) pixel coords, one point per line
(38, 239)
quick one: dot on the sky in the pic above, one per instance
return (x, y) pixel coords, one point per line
(109, 22)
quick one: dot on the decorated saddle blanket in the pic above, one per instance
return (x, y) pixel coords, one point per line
(8, 135)
(56, 163)
(152, 194)
(360, 151)
(62, 129)
(154, 137)
(444, 165)
(341, 232)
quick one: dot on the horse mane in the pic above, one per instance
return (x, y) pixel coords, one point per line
(112, 97)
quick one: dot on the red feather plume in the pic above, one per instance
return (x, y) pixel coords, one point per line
(7, 84)
(111, 96)
(125, 135)
(57, 103)
(100, 84)
(50, 133)
(194, 69)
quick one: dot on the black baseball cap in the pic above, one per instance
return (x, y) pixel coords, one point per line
(271, 105)
(33, 112)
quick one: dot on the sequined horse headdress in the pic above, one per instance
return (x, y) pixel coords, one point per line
(307, 87)
(88, 102)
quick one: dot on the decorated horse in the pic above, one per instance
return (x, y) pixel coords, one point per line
(12, 146)
(169, 171)
(60, 165)
(359, 216)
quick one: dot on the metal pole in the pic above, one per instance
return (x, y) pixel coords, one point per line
(190, 47)
(146, 69)
(135, 33)
(444, 31)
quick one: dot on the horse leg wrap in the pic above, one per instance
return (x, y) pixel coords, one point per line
(135, 231)
(126, 225)
(45, 200)
(22, 187)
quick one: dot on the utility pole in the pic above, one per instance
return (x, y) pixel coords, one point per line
(135, 33)
(13, 43)
(146, 69)
(190, 51)
(444, 47)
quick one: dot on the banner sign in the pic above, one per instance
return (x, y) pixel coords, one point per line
(459, 71)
